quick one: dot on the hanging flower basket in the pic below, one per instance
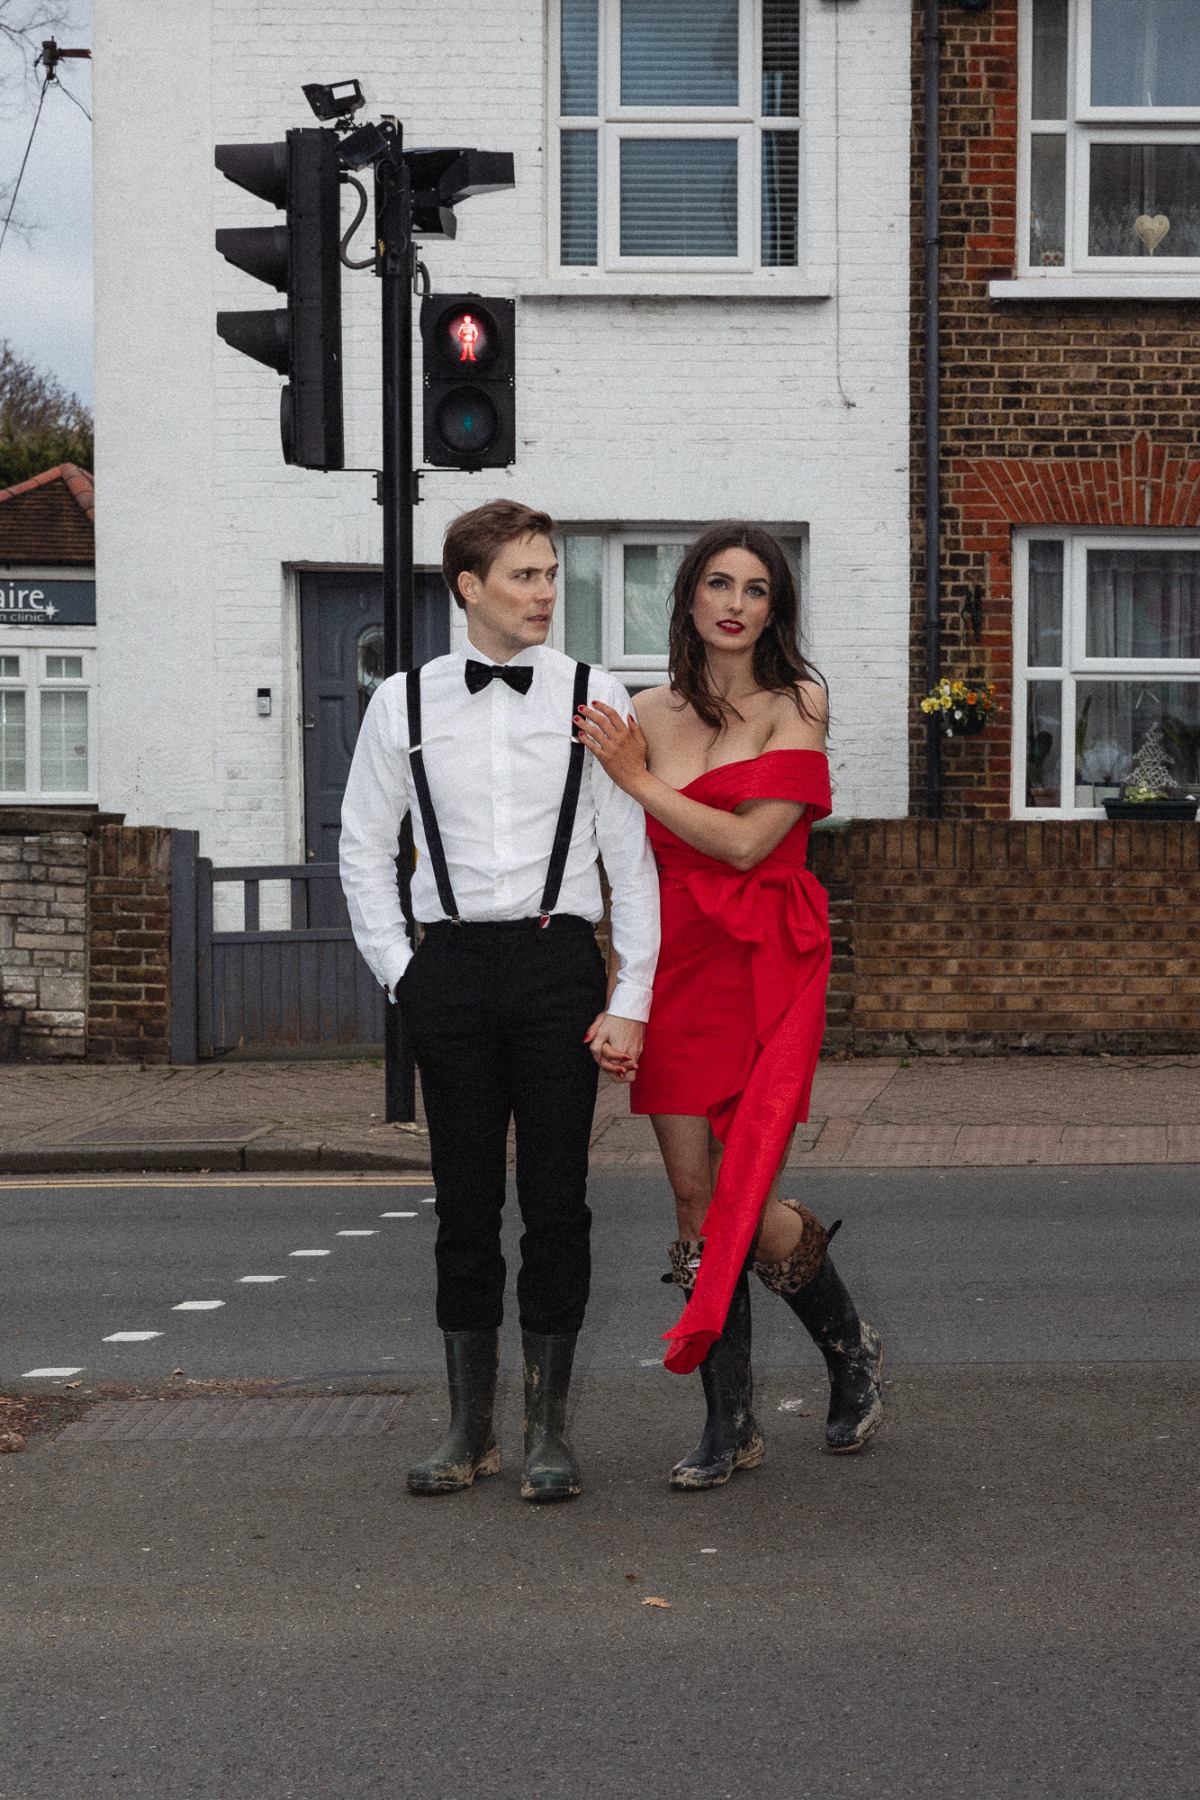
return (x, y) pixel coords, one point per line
(961, 708)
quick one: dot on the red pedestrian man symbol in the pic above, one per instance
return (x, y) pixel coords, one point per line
(467, 331)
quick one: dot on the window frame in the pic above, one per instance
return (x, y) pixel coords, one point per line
(1083, 126)
(641, 670)
(33, 683)
(612, 122)
(1076, 664)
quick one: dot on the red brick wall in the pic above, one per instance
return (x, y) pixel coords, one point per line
(961, 936)
(129, 944)
(1044, 404)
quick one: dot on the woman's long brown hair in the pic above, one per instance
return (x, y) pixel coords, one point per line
(778, 662)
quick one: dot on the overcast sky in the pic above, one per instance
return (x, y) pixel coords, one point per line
(46, 276)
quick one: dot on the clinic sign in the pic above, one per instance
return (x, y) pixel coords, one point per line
(26, 602)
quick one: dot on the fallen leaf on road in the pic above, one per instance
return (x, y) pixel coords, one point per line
(11, 1440)
(633, 1578)
(654, 1600)
(68, 1385)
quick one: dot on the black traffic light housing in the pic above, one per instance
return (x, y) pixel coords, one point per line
(301, 259)
(442, 178)
(470, 403)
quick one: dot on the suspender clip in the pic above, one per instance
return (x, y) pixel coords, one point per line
(543, 920)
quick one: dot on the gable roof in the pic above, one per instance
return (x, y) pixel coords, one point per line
(50, 518)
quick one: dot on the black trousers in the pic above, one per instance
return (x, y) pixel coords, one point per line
(496, 1016)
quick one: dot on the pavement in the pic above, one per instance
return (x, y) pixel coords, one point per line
(998, 1598)
(874, 1112)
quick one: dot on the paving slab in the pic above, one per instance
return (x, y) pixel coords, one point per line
(887, 1112)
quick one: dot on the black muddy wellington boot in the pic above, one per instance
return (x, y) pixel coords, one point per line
(731, 1439)
(853, 1350)
(469, 1447)
(550, 1472)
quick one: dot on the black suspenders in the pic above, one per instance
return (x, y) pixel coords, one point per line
(566, 813)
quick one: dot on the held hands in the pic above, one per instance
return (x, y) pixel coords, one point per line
(616, 1045)
(618, 747)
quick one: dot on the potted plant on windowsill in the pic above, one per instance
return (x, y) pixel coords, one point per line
(1149, 793)
(961, 708)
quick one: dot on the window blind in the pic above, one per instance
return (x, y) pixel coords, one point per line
(679, 52)
(578, 198)
(579, 57)
(679, 197)
(12, 742)
(781, 59)
(64, 743)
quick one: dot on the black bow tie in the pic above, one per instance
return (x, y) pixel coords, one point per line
(479, 674)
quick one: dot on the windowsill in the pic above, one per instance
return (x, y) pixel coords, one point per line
(785, 286)
(1097, 287)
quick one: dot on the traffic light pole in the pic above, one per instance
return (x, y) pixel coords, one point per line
(397, 494)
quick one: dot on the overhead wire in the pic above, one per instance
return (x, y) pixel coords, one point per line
(21, 172)
(73, 98)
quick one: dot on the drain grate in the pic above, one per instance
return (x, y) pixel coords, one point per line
(196, 1421)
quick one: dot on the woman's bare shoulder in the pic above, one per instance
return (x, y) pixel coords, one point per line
(649, 702)
(800, 718)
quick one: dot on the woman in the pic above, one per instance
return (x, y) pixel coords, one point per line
(728, 761)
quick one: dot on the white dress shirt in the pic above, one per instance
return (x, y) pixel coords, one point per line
(496, 763)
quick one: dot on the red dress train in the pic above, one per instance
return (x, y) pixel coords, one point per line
(739, 1012)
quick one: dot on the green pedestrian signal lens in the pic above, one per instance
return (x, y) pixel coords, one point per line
(467, 422)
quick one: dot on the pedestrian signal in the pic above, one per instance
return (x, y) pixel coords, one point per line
(470, 400)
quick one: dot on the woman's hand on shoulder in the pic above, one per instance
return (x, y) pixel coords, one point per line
(617, 744)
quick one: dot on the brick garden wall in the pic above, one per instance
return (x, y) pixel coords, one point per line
(85, 938)
(1077, 935)
(1076, 412)
(129, 944)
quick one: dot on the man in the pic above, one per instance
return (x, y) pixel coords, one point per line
(504, 999)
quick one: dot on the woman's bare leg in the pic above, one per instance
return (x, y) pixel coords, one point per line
(684, 1143)
(692, 1157)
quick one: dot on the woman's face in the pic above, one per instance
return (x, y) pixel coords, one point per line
(732, 604)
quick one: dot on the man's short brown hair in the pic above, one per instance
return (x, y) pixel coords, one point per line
(476, 538)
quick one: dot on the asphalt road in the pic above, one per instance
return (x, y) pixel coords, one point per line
(999, 1598)
(980, 1266)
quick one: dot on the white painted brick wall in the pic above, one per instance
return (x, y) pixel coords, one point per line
(630, 411)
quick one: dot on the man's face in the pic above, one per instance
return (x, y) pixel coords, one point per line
(511, 608)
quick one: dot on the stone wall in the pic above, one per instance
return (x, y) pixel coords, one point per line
(1054, 412)
(1066, 936)
(85, 937)
(43, 943)
(129, 944)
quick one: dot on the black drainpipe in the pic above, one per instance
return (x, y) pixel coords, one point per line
(933, 474)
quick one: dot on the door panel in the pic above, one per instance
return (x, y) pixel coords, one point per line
(341, 655)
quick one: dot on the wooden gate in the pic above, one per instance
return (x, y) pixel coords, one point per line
(293, 986)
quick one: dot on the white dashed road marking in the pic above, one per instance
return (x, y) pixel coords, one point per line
(64, 1373)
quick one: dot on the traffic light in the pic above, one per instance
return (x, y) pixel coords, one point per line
(470, 404)
(441, 178)
(302, 260)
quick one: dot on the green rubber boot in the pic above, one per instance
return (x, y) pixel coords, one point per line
(550, 1472)
(469, 1447)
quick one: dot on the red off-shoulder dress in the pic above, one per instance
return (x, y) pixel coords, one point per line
(739, 1011)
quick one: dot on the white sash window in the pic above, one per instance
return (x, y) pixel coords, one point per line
(679, 135)
(46, 724)
(1107, 627)
(1110, 103)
